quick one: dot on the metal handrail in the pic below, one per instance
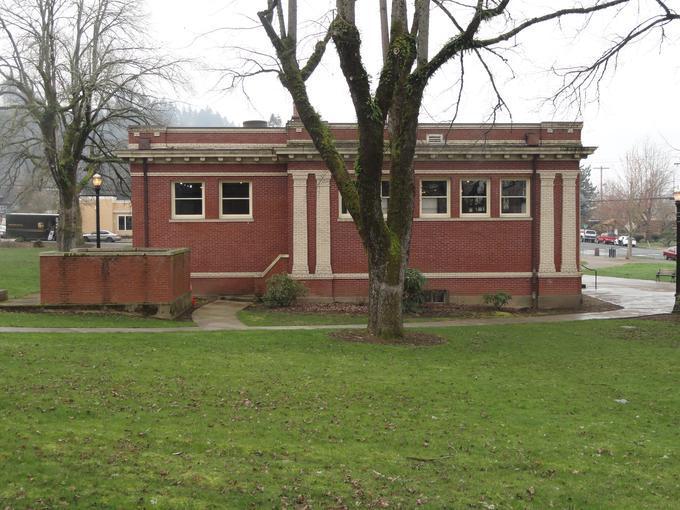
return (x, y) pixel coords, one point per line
(583, 265)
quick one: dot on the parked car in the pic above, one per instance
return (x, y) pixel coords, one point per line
(670, 253)
(605, 238)
(104, 235)
(623, 241)
(588, 236)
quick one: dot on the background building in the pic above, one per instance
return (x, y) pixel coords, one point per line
(115, 214)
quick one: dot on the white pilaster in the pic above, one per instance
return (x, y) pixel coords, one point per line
(547, 231)
(300, 264)
(569, 219)
(323, 223)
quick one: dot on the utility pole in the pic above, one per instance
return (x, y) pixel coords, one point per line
(600, 168)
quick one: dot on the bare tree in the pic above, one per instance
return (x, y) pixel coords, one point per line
(642, 189)
(479, 29)
(74, 71)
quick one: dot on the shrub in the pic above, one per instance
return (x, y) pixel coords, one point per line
(282, 290)
(414, 294)
(497, 300)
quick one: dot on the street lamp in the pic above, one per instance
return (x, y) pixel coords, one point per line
(97, 183)
(676, 197)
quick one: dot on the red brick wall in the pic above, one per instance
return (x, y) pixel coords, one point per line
(89, 278)
(217, 245)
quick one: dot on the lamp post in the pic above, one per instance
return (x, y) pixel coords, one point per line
(676, 197)
(97, 183)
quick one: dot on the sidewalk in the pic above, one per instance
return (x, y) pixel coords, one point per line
(637, 297)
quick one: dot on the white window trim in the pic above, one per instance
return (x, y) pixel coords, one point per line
(528, 199)
(176, 216)
(448, 198)
(118, 216)
(347, 215)
(248, 216)
(487, 214)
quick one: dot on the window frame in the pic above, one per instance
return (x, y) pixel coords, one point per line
(527, 198)
(249, 215)
(118, 217)
(174, 214)
(487, 214)
(347, 215)
(446, 214)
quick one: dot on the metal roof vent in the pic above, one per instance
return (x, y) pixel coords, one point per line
(255, 124)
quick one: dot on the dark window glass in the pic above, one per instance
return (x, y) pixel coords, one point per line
(124, 222)
(474, 205)
(433, 188)
(235, 190)
(473, 188)
(473, 197)
(189, 207)
(514, 197)
(434, 199)
(239, 206)
(189, 190)
(236, 198)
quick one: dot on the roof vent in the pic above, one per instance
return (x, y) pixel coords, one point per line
(254, 123)
(435, 139)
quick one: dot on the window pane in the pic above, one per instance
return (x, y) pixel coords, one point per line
(514, 188)
(343, 209)
(235, 190)
(385, 203)
(121, 222)
(433, 188)
(473, 188)
(475, 205)
(433, 206)
(129, 222)
(189, 207)
(385, 189)
(514, 205)
(188, 190)
(239, 206)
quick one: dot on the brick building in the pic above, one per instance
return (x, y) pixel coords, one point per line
(497, 208)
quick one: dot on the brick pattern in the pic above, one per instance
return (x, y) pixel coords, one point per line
(297, 214)
(113, 278)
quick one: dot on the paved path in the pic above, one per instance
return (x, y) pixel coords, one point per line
(637, 297)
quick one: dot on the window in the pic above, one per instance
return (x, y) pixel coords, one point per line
(434, 198)
(474, 197)
(124, 222)
(236, 200)
(514, 197)
(384, 200)
(187, 199)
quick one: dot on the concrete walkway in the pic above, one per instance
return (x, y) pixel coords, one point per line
(637, 297)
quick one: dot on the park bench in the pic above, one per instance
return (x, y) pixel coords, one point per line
(665, 272)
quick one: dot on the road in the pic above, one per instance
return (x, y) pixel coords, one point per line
(638, 252)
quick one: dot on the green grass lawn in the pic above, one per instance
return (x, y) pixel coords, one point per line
(261, 317)
(20, 270)
(636, 270)
(84, 320)
(521, 416)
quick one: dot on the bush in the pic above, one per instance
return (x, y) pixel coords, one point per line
(497, 300)
(414, 294)
(282, 290)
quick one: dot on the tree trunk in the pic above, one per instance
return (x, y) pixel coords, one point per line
(69, 232)
(385, 292)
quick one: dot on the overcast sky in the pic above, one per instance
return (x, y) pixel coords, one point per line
(638, 102)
